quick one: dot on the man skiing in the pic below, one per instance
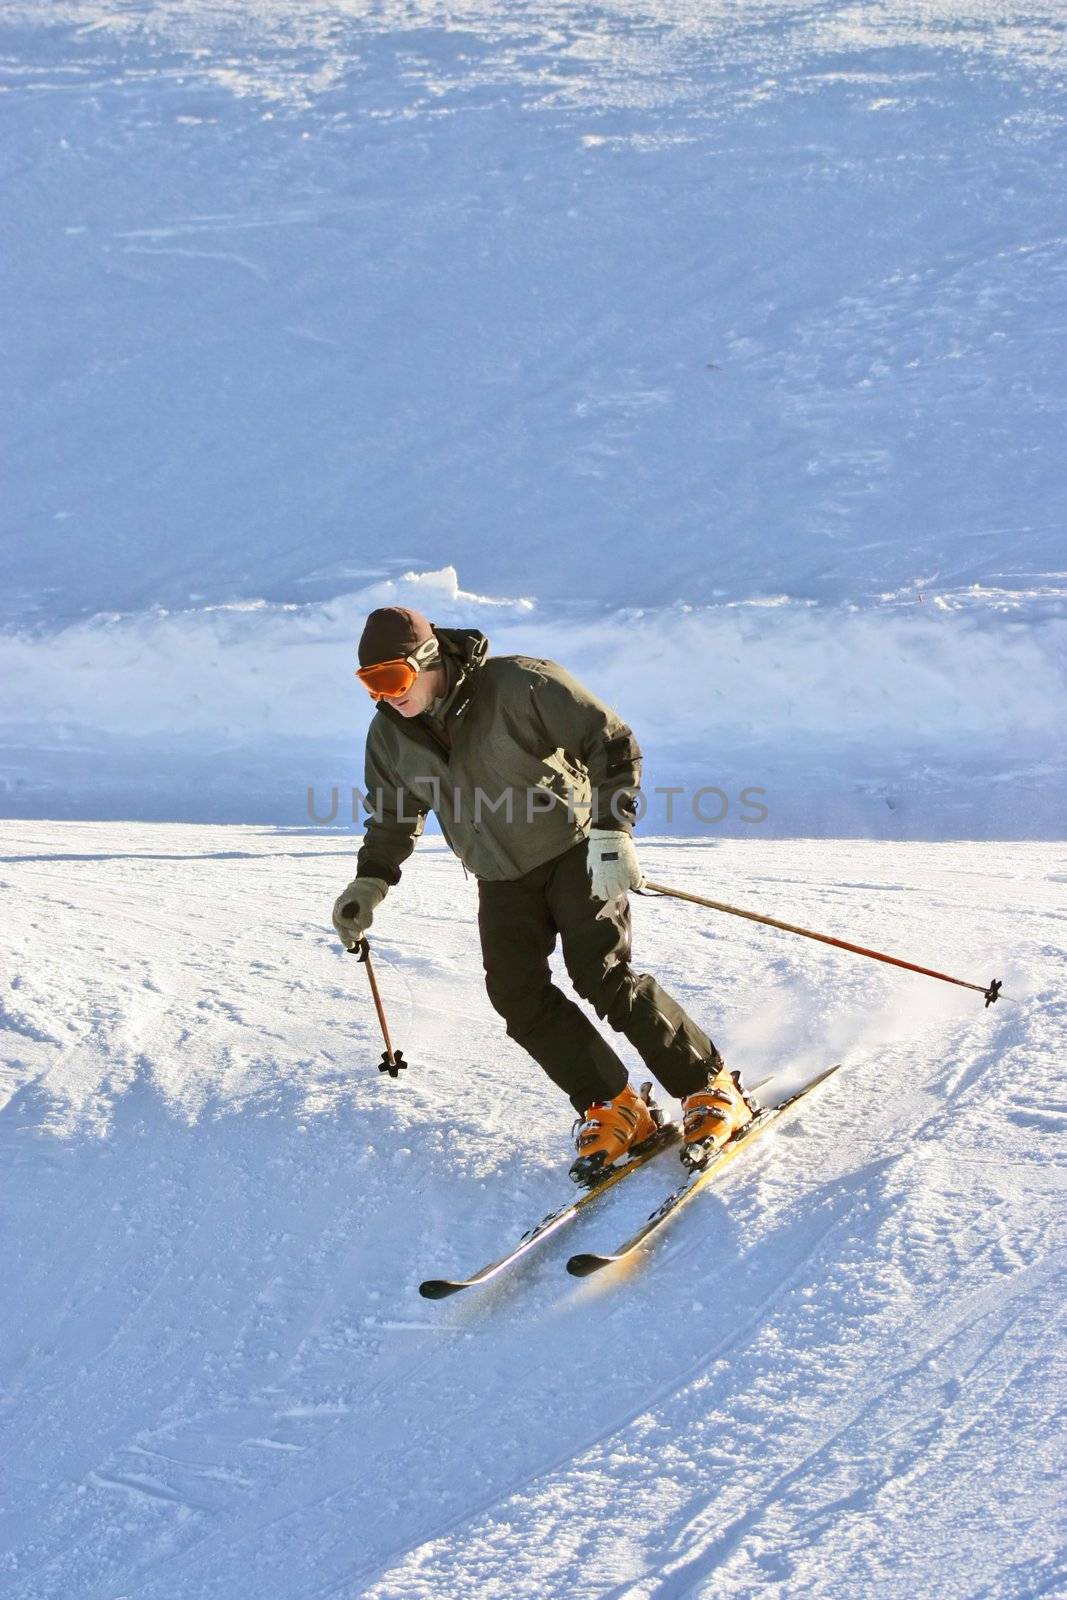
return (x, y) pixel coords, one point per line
(533, 781)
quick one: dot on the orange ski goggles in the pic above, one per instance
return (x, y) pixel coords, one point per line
(391, 680)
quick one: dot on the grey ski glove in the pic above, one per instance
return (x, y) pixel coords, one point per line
(353, 911)
(612, 862)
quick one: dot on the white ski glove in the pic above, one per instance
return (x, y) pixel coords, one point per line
(613, 864)
(353, 911)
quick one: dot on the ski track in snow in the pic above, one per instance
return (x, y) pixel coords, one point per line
(835, 1374)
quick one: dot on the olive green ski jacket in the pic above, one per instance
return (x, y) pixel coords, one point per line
(521, 761)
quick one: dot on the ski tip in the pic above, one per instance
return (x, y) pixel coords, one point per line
(582, 1266)
(439, 1288)
(821, 1077)
(806, 1088)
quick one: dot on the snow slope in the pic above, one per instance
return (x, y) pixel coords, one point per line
(751, 308)
(836, 1376)
(302, 293)
(716, 349)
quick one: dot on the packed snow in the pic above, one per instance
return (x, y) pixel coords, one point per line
(835, 1375)
(715, 348)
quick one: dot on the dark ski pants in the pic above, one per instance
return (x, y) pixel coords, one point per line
(518, 921)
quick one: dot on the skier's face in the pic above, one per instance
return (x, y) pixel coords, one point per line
(429, 684)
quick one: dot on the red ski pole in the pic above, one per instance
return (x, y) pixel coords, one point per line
(991, 991)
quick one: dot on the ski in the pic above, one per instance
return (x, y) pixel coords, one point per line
(581, 1266)
(440, 1288)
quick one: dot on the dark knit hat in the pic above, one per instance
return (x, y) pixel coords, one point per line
(392, 632)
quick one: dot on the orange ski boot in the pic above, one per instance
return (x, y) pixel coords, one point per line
(613, 1128)
(713, 1115)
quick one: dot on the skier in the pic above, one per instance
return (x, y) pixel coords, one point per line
(533, 781)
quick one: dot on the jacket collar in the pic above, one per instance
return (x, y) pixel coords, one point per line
(463, 652)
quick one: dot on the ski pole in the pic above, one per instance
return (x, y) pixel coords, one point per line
(991, 990)
(392, 1060)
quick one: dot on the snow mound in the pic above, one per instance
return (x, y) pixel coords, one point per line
(847, 720)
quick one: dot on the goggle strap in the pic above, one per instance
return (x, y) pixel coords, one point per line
(426, 654)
